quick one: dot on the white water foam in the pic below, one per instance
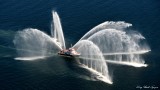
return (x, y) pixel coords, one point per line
(99, 67)
(30, 58)
(134, 64)
(125, 53)
(97, 75)
(114, 40)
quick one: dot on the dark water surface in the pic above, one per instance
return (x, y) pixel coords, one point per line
(77, 17)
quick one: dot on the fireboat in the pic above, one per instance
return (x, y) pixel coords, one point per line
(71, 52)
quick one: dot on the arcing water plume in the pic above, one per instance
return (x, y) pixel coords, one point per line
(56, 30)
(32, 43)
(107, 25)
(99, 66)
(107, 42)
(116, 43)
